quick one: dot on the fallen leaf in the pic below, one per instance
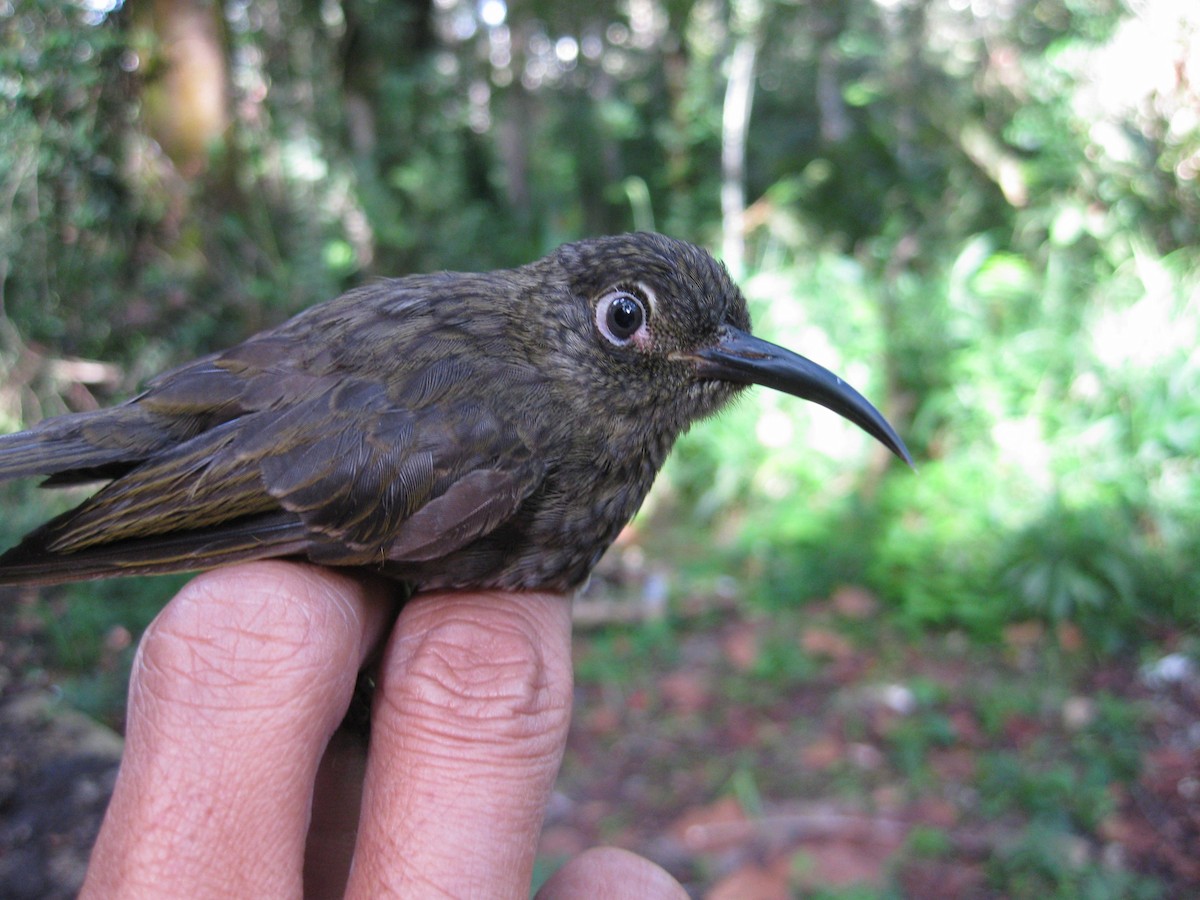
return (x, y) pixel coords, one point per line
(602, 719)
(865, 756)
(822, 753)
(1024, 635)
(561, 841)
(854, 602)
(1070, 637)
(936, 812)
(685, 691)
(751, 882)
(713, 828)
(938, 880)
(740, 645)
(966, 727)
(827, 643)
(955, 764)
(842, 864)
(117, 638)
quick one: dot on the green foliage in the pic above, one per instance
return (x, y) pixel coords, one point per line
(998, 707)
(613, 652)
(1077, 566)
(929, 842)
(64, 219)
(912, 739)
(1056, 794)
(90, 633)
(1066, 788)
(26, 506)
(96, 608)
(944, 209)
(781, 662)
(1040, 864)
(933, 558)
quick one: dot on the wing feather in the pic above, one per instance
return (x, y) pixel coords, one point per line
(341, 485)
(305, 441)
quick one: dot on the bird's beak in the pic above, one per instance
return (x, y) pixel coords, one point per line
(744, 359)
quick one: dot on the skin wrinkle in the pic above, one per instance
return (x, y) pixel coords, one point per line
(290, 660)
(214, 703)
(479, 686)
(456, 843)
(424, 887)
(406, 880)
(179, 858)
(461, 804)
(196, 824)
(447, 755)
(476, 684)
(447, 698)
(191, 804)
(457, 675)
(215, 687)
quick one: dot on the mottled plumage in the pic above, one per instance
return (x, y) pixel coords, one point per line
(451, 430)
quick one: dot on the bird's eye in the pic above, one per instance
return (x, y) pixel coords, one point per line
(619, 316)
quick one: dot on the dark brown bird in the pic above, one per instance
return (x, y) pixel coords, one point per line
(451, 430)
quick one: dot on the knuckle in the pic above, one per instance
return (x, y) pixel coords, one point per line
(469, 677)
(269, 638)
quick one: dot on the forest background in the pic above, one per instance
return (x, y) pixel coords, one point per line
(983, 213)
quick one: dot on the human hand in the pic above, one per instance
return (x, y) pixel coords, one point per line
(236, 782)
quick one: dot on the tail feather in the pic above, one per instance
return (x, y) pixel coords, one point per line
(29, 453)
(256, 537)
(83, 447)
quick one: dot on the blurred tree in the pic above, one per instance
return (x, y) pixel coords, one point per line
(185, 102)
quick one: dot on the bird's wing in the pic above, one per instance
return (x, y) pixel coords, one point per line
(175, 407)
(106, 443)
(344, 477)
(414, 486)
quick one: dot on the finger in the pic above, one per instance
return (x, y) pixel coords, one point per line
(235, 691)
(468, 731)
(605, 872)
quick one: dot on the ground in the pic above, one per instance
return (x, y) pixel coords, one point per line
(817, 752)
(823, 752)
(57, 768)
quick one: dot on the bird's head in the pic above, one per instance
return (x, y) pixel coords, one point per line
(663, 334)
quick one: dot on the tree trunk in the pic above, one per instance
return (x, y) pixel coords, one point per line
(735, 124)
(186, 96)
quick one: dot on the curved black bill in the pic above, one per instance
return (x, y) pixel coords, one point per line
(745, 359)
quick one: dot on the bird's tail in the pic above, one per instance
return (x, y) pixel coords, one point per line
(82, 447)
(34, 561)
(105, 445)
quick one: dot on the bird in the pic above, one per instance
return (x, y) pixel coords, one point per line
(449, 430)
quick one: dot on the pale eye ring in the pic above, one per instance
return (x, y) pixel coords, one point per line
(620, 316)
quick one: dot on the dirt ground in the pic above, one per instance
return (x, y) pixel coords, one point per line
(57, 769)
(624, 782)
